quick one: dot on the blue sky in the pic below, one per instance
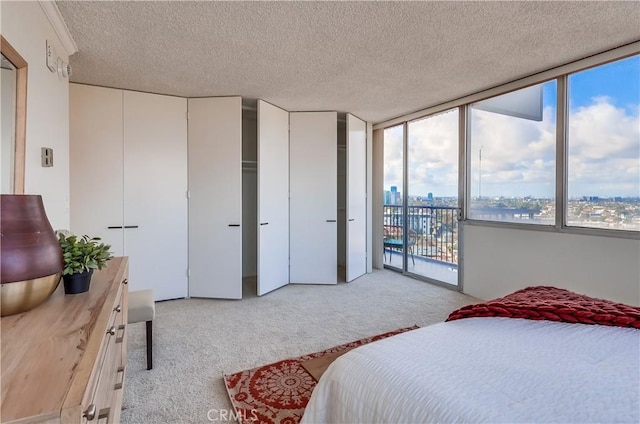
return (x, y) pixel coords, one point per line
(518, 155)
(622, 79)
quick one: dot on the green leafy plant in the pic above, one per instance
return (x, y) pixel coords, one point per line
(83, 253)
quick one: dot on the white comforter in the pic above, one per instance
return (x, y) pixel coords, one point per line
(486, 370)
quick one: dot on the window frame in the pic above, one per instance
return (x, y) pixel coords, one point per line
(467, 141)
(560, 75)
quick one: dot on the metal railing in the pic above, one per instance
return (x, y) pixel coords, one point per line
(432, 231)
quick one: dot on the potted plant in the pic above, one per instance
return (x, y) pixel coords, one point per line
(81, 256)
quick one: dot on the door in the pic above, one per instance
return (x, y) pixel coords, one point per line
(215, 197)
(95, 157)
(273, 197)
(313, 197)
(356, 262)
(155, 193)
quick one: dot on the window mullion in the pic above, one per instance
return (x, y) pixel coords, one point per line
(405, 193)
(561, 152)
(463, 164)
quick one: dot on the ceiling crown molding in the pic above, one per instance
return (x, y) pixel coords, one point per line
(59, 26)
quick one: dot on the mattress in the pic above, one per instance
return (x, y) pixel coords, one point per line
(492, 370)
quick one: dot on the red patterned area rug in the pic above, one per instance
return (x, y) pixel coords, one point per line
(278, 393)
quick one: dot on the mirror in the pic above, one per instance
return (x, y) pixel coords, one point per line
(13, 108)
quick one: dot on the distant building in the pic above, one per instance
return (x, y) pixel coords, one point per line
(396, 198)
(590, 199)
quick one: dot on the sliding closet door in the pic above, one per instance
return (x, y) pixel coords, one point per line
(313, 203)
(215, 201)
(95, 156)
(273, 197)
(356, 197)
(155, 188)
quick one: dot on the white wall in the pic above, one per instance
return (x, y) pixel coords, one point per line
(25, 26)
(498, 261)
(377, 201)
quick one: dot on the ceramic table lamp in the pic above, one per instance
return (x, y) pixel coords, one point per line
(31, 260)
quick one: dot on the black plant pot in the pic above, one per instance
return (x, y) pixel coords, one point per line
(77, 283)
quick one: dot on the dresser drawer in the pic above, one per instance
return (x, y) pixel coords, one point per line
(104, 401)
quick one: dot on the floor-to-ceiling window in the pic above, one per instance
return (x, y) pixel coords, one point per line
(420, 226)
(432, 196)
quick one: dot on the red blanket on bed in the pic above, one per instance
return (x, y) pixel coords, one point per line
(554, 304)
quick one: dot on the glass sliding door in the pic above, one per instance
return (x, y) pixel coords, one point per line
(432, 197)
(393, 214)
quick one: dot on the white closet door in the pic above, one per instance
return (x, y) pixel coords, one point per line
(313, 203)
(95, 155)
(273, 197)
(356, 197)
(215, 202)
(155, 188)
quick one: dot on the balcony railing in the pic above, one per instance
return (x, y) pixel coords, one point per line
(432, 231)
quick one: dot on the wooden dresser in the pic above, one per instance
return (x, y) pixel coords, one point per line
(64, 361)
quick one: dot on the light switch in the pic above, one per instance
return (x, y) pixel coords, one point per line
(47, 157)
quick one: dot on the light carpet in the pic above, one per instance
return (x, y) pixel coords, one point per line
(197, 340)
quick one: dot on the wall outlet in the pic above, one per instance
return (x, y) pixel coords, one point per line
(47, 157)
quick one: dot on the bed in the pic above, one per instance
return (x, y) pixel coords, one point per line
(492, 367)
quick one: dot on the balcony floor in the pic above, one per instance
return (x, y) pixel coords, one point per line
(441, 271)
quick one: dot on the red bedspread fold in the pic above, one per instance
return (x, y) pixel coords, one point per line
(554, 304)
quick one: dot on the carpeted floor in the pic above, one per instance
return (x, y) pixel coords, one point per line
(197, 340)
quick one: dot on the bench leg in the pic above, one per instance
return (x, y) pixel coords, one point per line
(149, 345)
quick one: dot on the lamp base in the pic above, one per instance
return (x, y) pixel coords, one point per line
(21, 296)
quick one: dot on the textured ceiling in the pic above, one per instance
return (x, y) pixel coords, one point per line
(377, 60)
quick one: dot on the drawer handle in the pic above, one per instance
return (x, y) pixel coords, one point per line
(90, 412)
(119, 339)
(118, 309)
(125, 281)
(112, 331)
(118, 386)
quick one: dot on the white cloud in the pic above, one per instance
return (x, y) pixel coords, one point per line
(393, 158)
(433, 155)
(518, 155)
(604, 150)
